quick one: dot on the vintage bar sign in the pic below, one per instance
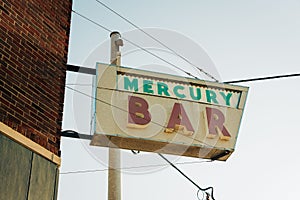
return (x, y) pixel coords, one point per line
(155, 112)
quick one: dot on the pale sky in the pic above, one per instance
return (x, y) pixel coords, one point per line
(240, 39)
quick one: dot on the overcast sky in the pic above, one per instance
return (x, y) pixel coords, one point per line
(236, 40)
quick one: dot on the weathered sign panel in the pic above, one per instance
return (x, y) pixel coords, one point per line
(155, 112)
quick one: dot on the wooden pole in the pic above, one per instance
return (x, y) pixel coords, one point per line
(114, 174)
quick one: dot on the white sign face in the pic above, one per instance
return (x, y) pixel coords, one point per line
(177, 90)
(155, 112)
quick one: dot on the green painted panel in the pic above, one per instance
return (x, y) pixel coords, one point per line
(42, 181)
(56, 184)
(15, 165)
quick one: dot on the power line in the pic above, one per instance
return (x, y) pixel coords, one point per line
(109, 104)
(88, 71)
(158, 41)
(124, 110)
(136, 45)
(227, 82)
(162, 59)
(147, 166)
(149, 52)
(92, 21)
(134, 167)
(264, 78)
(79, 84)
(183, 174)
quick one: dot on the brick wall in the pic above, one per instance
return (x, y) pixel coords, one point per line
(33, 56)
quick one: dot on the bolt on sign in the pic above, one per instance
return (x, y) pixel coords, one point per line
(155, 112)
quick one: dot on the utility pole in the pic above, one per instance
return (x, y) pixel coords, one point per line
(114, 173)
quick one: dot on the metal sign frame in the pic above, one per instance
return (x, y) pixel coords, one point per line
(183, 113)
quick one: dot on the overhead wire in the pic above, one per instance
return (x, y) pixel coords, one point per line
(124, 110)
(133, 167)
(169, 162)
(204, 190)
(263, 78)
(188, 73)
(189, 179)
(109, 104)
(138, 46)
(92, 21)
(158, 41)
(228, 82)
(78, 84)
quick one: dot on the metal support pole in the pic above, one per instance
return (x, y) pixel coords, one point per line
(114, 174)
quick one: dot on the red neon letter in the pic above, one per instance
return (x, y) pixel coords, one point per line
(138, 114)
(216, 119)
(179, 121)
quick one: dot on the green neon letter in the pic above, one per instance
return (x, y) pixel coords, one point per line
(131, 85)
(226, 97)
(211, 96)
(175, 90)
(196, 98)
(162, 88)
(147, 86)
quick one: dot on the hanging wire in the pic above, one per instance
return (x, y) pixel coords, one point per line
(264, 78)
(109, 104)
(169, 162)
(136, 45)
(158, 41)
(92, 21)
(133, 167)
(79, 84)
(189, 179)
(124, 110)
(189, 74)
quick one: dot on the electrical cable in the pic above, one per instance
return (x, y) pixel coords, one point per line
(124, 110)
(229, 82)
(158, 41)
(183, 174)
(263, 78)
(134, 167)
(138, 46)
(92, 21)
(237, 81)
(209, 188)
(104, 102)
(189, 74)
(78, 84)
(160, 58)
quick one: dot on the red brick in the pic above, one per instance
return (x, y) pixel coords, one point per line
(34, 36)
